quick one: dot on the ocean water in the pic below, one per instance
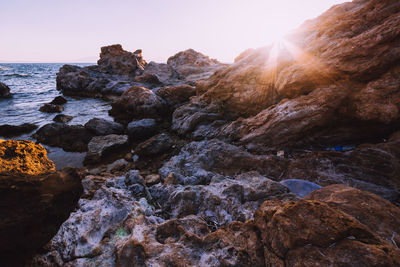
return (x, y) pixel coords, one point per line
(31, 86)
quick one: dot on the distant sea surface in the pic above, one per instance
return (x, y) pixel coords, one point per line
(31, 86)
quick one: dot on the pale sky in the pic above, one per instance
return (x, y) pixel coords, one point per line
(74, 30)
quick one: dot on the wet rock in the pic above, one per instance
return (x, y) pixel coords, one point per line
(300, 188)
(68, 137)
(137, 103)
(101, 146)
(104, 127)
(176, 95)
(59, 100)
(34, 199)
(221, 201)
(140, 129)
(7, 130)
(155, 145)
(61, 118)
(23, 157)
(4, 91)
(51, 108)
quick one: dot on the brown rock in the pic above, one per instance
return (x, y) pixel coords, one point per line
(176, 95)
(4, 91)
(51, 108)
(137, 103)
(115, 60)
(152, 179)
(7, 130)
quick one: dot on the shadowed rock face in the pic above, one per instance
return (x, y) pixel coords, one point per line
(4, 91)
(34, 199)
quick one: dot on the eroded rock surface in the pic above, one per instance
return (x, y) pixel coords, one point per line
(34, 199)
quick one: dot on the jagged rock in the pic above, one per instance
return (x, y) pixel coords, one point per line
(198, 162)
(140, 129)
(101, 146)
(314, 231)
(176, 95)
(34, 199)
(191, 65)
(68, 137)
(164, 73)
(59, 100)
(7, 130)
(4, 91)
(137, 103)
(221, 201)
(92, 229)
(104, 127)
(23, 157)
(158, 144)
(115, 60)
(317, 87)
(61, 118)
(51, 108)
(300, 188)
(148, 78)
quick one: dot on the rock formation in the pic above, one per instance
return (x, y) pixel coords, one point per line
(4, 91)
(290, 156)
(7, 130)
(34, 199)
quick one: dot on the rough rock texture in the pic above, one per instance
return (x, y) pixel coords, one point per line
(137, 103)
(332, 81)
(68, 137)
(7, 130)
(4, 91)
(23, 157)
(117, 70)
(140, 129)
(160, 143)
(176, 95)
(101, 146)
(104, 127)
(34, 199)
(51, 108)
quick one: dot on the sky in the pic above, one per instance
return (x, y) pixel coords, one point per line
(74, 30)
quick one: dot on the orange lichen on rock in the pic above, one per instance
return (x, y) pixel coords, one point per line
(23, 157)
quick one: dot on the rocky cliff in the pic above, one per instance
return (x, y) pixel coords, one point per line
(287, 157)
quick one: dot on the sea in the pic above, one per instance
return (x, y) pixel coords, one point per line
(34, 84)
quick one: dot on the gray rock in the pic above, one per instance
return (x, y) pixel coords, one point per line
(104, 127)
(156, 145)
(141, 129)
(101, 146)
(300, 188)
(117, 165)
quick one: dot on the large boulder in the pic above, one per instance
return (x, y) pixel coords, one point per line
(176, 95)
(34, 199)
(326, 83)
(100, 146)
(140, 129)
(137, 103)
(155, 145)
(68, 137)
(104, 127)
(115, 60)
(4, 91)
(7, 130)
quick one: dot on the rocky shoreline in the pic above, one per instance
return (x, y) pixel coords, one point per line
(290, 156)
